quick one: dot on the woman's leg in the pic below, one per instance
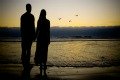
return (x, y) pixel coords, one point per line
(45, 59)
(36, 58)
(41, 69)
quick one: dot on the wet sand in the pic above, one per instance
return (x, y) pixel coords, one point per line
(77, 60)
(68, 54)
(14, 72)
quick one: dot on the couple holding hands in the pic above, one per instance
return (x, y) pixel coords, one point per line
(29, 34)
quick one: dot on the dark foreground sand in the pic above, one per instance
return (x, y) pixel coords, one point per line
(14, 72)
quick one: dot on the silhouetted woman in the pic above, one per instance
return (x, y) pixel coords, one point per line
(43, 41)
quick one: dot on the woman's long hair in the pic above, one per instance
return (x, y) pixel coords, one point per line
(42, 14)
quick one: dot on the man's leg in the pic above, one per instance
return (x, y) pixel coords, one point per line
(23, 55)
(28, 56)
(29, 66)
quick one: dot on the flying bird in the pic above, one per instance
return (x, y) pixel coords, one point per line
(60, 18)
(76, 15)
(70, 21)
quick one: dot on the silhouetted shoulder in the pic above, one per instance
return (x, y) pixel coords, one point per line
(48, 21)
(22, 15)
(32, 15)
(27, 15)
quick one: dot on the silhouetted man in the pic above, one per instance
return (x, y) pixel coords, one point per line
(27, 34)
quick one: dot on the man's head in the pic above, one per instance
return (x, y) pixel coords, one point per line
(28, 8)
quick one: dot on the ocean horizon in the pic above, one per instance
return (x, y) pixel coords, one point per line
(68, 32)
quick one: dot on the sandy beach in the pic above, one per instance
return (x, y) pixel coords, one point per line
(68, 53)
(69, 60)
(14, 72)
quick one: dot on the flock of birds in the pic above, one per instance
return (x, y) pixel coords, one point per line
(69, 20)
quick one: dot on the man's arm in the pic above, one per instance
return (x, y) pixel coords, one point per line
(34, 29)
(21, 26)
(48, 32)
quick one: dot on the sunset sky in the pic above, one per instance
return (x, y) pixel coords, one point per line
(90, 12)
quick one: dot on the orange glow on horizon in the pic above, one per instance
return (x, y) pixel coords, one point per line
(89, 12)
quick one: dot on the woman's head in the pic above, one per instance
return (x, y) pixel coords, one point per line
(43, 13)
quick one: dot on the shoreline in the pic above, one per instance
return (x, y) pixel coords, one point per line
(20, 65)
(74, 66)
(63, 40)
